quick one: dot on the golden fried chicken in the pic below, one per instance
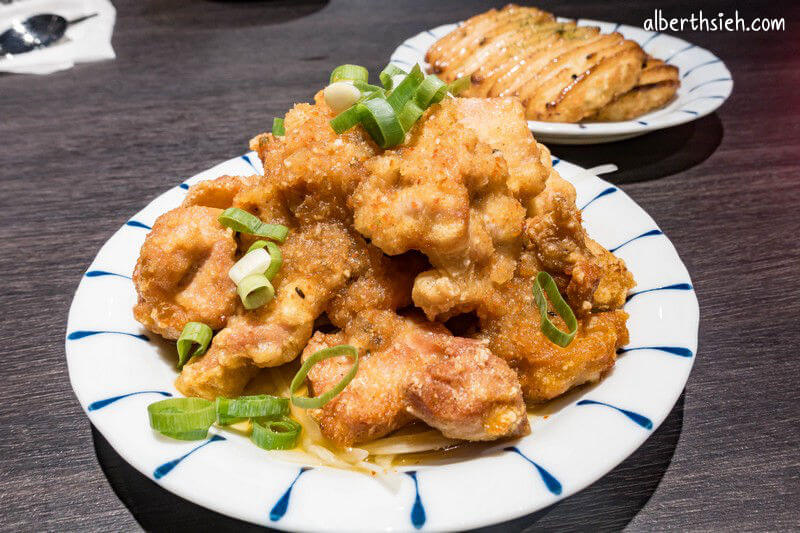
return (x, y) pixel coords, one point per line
(510, 322)
(182, 272)
(413, 368)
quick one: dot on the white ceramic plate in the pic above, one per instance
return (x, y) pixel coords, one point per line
(117, 368)
(705, 84)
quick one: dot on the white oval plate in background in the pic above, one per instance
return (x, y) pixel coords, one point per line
(705, 84)
(117, 368)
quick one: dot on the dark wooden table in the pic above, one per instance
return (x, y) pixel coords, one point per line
(82, 150)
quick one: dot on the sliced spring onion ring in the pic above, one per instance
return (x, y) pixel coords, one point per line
(273, 433)
(365, 87)
(387, 75)
(255, 290)
(545, 284)
(193, 333)
(346, 120)
(430, 91)
(182, 418)
(277, 127)
(275, 260)
(349, 72)
(244, 222)
(321, 355)
(256, 245)
(380, 120)
(253, 262)
(232, 410)
(409, 115)
(459, 85)
(406, 89)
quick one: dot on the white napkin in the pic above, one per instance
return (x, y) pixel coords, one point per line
(85, 41)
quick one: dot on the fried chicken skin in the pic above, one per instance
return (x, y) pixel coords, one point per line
(182, 272)
(413, 368)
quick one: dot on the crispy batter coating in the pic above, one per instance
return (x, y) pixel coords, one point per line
(561, 72)
(182, 272)
(410, 367)
(218, 192)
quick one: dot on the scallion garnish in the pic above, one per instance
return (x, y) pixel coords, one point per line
(254, 262)
(407, 94)
(349, 72)
(275, 260)
(381, 122)
(244, 222)
(346, 120)
(431, 91)
(232, 410)
(321, 355)
(255, 290)
(182, 418)
(388, 74)
(406, 89)
(273, 433)
(277, 127)
(545, 284)
(456, 87)
(194, 333)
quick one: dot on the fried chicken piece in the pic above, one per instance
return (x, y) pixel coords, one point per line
(318, 261)
(510, 322)
(218, 192)
(409, 368)
(595, 279)
(455, 192)
(470, 395)
(182, 272)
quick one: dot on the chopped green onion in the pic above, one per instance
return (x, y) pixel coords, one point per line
(545, 284)
(459, 85)
(182, 418)
(275, 260)
(256, 245)
(349, 72)
(254, 262)
(275, 433)
(365, 87)
(255, 290)
(430, 91)
(193, 333)
(409, 115)
(380, 120)
(321, 355)
(346, 120)
(244, 222)
(232, 410)
(406, 89)
(277, 127)
(275, 257)
(387, 75)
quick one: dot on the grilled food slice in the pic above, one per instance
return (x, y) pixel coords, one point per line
(657, 86)
(494, 42)
(468, 35)
(511, 83)
(561, 72)
(593, 89)
(529, 42)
